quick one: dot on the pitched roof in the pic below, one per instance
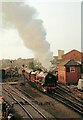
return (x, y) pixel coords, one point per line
(70, 62)
(72, 51)
(63, 62)
(73, 54)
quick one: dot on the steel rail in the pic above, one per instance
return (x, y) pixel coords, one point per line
(72, 102)
(54, 97)
(67, 98)
(65, 101)
(20, 104)
(30, 104)
(68, 92)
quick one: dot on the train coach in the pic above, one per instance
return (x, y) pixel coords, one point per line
(3, 73)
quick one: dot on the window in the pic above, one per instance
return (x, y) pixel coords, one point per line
(67, 69)
(72, 69)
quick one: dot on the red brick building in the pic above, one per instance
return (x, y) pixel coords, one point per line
(69, 72)
(74, 54)
(70, 67)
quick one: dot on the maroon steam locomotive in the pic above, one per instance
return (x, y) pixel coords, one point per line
(47, 80)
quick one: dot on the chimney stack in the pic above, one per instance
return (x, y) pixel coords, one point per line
(60, 53)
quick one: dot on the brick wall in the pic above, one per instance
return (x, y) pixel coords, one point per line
(74, 54)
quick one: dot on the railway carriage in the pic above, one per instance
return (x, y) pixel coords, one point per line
(4, 73)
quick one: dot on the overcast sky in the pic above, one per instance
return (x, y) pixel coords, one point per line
(62, 22)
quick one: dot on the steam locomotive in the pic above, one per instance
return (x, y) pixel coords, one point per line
(48, 81)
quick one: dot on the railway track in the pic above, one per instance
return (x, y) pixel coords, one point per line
(18, 116)
(65, 96)
(21, 107)
(68, 93)
(69, 90)
(68, 102)
(30, 109)
(28, 95)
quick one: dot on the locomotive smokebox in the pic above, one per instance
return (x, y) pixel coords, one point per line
(50, 79)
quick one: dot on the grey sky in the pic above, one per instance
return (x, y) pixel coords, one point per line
(62, 21)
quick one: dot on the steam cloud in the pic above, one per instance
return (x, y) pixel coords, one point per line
(23, 18)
